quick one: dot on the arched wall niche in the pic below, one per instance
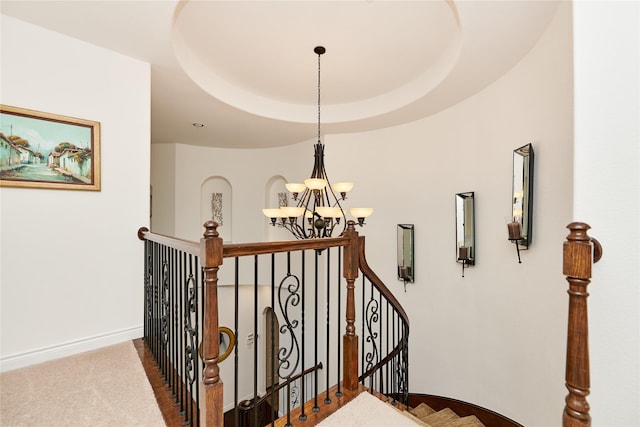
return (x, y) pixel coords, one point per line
(276, 195)
(215, 204)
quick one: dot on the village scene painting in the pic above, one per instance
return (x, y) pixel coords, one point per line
(43, 150)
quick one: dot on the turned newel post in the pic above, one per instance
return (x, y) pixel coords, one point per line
(350, 339)
(578, 256)
(211, 248)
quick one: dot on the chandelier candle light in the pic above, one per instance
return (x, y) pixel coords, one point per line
(318, 211)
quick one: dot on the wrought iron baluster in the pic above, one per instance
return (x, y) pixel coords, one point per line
(272, 380)
(182, 282)
(191, 331)
(195, 388)
(393, 361)
(164, 309)
(362, 334)
(315, 408)
(371, 316)
(255, 340)
(327, 399)
(380, 372)
(339, 330)
(386, 366)
(236, 299)
(148, 278)
(288, 298)
(303, 416)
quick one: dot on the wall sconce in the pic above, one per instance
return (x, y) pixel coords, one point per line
(520, 225)
(406, 271)
(465, 229)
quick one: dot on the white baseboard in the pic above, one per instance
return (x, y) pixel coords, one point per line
(33, 357)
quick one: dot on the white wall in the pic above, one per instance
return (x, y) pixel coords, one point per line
(71, 261)
(607, 192)
(496, 337)
(163, 189)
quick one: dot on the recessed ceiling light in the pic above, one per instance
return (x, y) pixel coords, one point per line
(198, 125)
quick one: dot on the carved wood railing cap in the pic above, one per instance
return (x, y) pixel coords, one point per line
(141, 232)
(578, 232)
(211, 229)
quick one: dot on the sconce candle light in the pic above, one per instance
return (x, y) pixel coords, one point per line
(520, 225)
(515, 235)
(515, 232)
(465, 229)
(406, 271)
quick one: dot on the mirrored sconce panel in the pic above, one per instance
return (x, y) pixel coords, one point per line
(465, 229)
(520, 227)
(406, 271)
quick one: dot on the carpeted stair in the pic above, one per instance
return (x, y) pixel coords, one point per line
(444, 418)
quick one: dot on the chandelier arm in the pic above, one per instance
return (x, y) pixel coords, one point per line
(295, 229)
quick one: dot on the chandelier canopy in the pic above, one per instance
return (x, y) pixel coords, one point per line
(317, 211)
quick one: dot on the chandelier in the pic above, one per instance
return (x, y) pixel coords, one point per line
(318, 212)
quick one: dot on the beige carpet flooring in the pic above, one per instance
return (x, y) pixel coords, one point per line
(104, 387)
(368, 411)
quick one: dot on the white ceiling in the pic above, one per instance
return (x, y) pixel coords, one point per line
(247, 70)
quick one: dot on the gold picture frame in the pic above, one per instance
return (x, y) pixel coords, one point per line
(45, 150)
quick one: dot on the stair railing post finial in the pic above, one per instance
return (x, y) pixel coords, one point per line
(211, 256)
(578, 257)
(350, 339)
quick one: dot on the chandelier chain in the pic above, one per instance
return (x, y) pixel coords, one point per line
(319, 96)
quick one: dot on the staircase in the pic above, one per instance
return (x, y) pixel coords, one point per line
(429, 417)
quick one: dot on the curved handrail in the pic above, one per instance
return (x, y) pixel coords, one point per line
(386, 293)
(378, 283)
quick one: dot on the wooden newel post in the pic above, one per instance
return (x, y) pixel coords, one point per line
(211, 247)
(578, 256)
(350, 339)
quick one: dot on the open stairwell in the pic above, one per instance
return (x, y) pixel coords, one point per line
(175, 308)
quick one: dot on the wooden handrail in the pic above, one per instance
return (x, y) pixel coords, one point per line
(379, 284)
(382, 288)
(186, 246)
(242, 249)
(578, 256)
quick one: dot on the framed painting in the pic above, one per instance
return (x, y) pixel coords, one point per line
(44, 150)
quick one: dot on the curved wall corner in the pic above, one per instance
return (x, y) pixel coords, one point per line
(216, 197)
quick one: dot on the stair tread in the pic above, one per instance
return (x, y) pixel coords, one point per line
(469, 421)
(422, 410)
(440, 418)
(429, 417)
